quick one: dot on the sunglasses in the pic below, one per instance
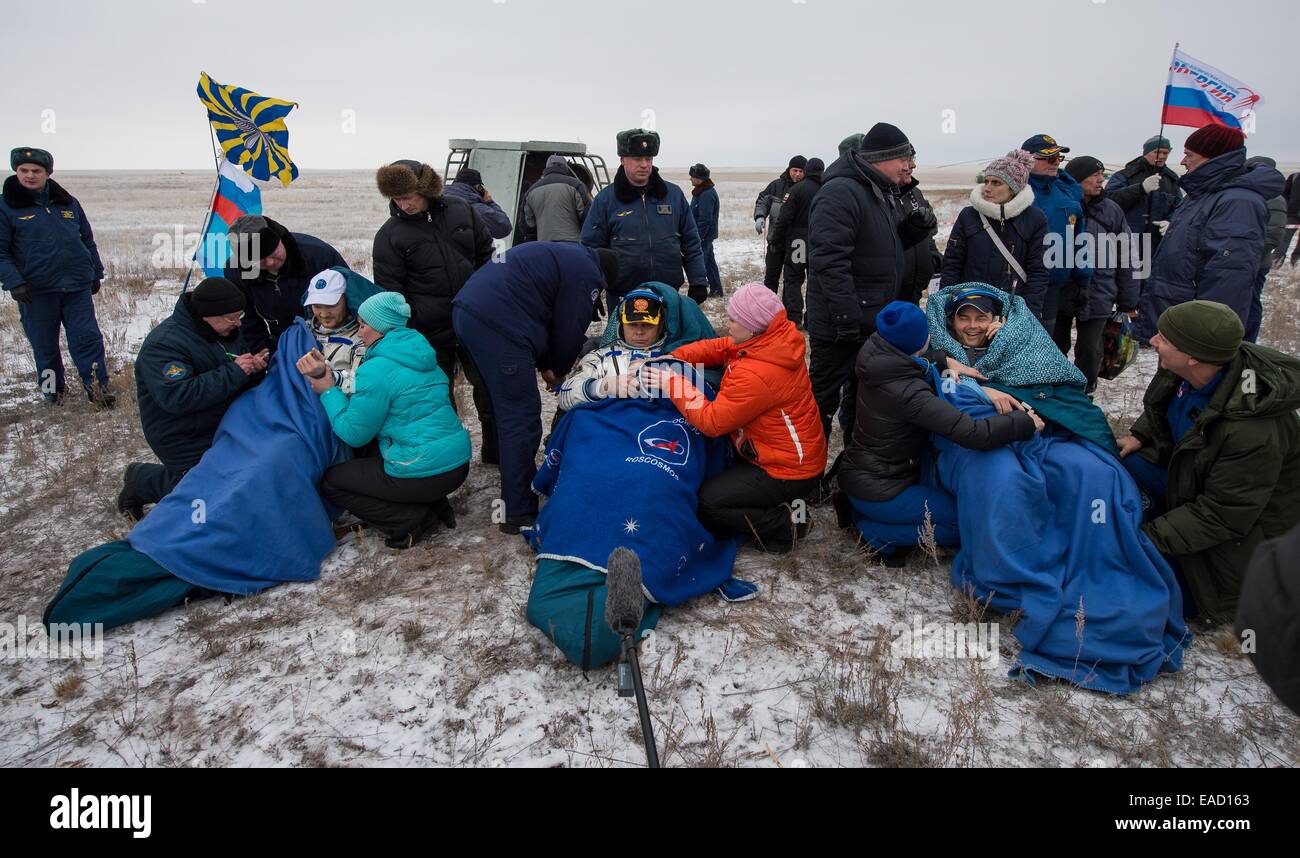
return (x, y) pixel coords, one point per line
(1054, 159)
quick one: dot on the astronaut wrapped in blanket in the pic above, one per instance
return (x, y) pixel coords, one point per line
(605, 372)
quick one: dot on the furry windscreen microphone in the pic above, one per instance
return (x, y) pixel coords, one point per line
(624, 603)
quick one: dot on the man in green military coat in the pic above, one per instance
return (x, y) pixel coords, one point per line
(1218, 451)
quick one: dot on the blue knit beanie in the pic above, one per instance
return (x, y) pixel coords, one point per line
(903, 326)
(385, 311)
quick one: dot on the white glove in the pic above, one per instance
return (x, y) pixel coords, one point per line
(1151, 184)
(758, 225)
(1160, 225)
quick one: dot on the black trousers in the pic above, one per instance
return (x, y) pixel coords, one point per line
(1087, 348)
(773, 261)
(150, 483)
(451, 357)
(792, 289)
(393, 505)
(1279, 255)
(834, 382)
(744, 501)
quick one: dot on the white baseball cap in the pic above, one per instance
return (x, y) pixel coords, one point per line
(326, 288)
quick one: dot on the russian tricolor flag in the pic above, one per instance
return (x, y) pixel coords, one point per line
(1197, 95)
(236, 196)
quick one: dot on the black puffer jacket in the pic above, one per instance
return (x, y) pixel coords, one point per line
(428, 257)
(898, 408)
(791, 222)
(855, 252)
(774, 193)
(1270, 609)
(274, 300)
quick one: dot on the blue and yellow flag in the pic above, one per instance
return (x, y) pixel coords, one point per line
(250, 129)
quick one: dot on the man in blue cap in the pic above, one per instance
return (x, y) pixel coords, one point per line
(49, 264)
(1059, 197)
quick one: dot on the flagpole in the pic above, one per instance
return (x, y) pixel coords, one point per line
(203, 231)
(1168, 79)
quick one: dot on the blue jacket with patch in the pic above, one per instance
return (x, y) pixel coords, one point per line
(1212, 248)
(652, 231)
(1060, 198)
(539, 295)
(47, 244)
(185, 379)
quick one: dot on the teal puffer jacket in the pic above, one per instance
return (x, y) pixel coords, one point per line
(401, 398)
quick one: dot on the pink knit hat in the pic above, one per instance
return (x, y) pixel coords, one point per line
(1013, 169)
(754, 306)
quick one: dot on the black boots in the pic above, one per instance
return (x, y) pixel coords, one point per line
(127, 504)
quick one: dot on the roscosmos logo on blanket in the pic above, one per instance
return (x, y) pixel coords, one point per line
(667, 441)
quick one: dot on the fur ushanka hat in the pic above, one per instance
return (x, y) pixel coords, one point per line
(408, 177)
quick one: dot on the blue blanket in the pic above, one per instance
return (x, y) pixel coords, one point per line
(249, 515)
(627, 472)
(1052, 527)
(1025, 362)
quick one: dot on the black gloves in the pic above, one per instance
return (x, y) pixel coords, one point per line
(916, 226)
(94, 287)
(1081, 297)
(21, 293)
(698, 292)
(922, 219)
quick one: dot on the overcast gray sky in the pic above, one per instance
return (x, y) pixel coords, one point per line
(728, 83)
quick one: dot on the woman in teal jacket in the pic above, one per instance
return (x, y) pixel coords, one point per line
(401, 401)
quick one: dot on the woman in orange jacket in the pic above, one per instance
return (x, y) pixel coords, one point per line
(765, 402)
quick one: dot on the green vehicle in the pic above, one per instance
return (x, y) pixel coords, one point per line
(509, 168)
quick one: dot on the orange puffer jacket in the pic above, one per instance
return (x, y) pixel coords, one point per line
(765, 402)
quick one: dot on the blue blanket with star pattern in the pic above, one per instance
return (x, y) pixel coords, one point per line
(627, 472)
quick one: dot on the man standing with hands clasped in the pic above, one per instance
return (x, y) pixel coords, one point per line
(50, 265)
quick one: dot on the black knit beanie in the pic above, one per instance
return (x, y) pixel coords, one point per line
(216, 296)
(885, 142)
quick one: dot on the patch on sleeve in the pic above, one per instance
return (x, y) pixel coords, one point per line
(175, 371)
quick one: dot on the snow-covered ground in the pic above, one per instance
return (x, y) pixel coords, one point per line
(424, 657)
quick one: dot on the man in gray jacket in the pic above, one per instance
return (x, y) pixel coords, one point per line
(556, 205)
